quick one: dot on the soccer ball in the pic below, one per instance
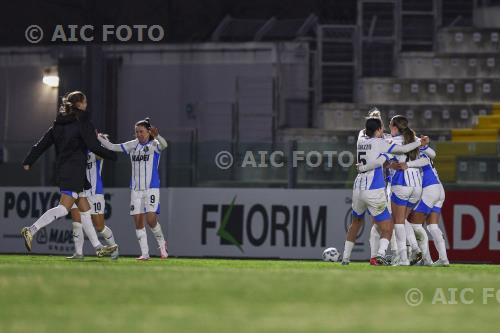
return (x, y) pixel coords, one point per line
(331, 254)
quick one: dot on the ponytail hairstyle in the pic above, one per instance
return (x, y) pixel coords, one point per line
(69, 100)
(374, 113)
(146, 123)
(372, 125)
(401, 123)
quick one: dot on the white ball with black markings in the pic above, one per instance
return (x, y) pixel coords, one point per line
(331, 254)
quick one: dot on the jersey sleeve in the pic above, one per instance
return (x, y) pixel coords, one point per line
(39, 148)
(88, 133)
(381, 159)
(428, 151)
(125, 147)
(418, 163)
(160, 143)
(399, 149)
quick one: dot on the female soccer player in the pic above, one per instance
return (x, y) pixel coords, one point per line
(406, 187)
(369, 186)
(374, 232)
(72, 134)
(429, 209)
(95, 196)
(144, 154)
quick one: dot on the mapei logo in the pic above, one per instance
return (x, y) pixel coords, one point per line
(56, 239)
(258, 225)
(41, 236)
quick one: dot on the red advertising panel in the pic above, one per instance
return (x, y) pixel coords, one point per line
(472, 223)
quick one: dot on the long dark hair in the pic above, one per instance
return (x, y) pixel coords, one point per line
(69, 100)
(146, 123)
(401, 123)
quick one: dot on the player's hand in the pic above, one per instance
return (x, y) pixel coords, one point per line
(402, 166)
(360, 167)
(393, 165)
(154, 131)
(424, 140)
(26, 167)
(103, 136)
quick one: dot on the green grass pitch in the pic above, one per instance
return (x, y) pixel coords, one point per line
(48, 294)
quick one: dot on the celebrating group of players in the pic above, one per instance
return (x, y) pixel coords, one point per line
(79, 160)
(396, 168)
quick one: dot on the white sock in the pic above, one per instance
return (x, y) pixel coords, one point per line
(142, 237)
(78, 237)
(348, 245)
(410, 236)
(394, 243)
(89, 230)
(108, 235)
(374, 241)
(401, 240)
(423, 242)
(384, 243)
(158, 234)
(48, 217)
(437, 236)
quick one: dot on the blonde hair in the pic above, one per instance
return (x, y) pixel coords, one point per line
(374, 113)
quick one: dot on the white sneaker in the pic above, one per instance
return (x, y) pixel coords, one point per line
(142, 258)
(105, 250)
(441, 263)
(163, 251)
(115, 255)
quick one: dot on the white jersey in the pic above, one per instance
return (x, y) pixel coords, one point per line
(368, 150)
(409, 177)
(94, 169)
(145, 159)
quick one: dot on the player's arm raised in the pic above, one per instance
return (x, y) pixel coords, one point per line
(162, 143)
(118, 147)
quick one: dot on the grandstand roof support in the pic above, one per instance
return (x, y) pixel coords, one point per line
(264, 29)
(310, 22)
(220, 28)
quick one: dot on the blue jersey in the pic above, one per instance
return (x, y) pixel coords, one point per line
(409, 177)
(429, 173)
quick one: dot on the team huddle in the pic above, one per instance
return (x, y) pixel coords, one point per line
(396, 168)
(80, 155)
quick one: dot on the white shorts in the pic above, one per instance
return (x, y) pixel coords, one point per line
(373, 200)
(145, 201)
(96, 202)
(432, 199)
(406, 195)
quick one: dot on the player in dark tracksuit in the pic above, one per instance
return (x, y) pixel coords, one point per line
(72, 134)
